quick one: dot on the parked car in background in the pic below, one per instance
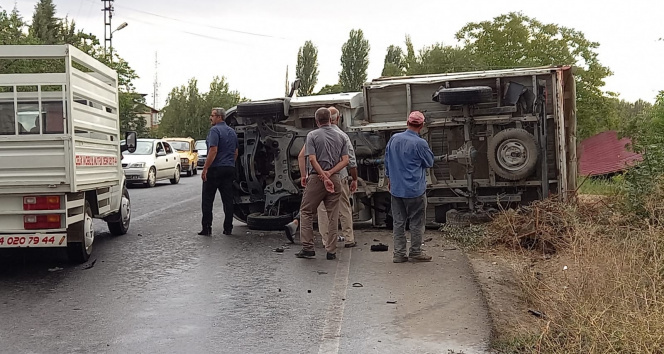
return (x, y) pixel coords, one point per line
(188, 154)
(202, 152)
(153, 160)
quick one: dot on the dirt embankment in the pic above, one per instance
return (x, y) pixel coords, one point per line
(562, 278)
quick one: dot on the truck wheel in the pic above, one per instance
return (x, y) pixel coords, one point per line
(176, 177)
(463, 95)
(79, 252)
(513, 154)
(121, 225)
(152, 178)
(258, 221)
(261, 108)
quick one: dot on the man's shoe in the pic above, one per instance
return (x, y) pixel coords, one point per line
(349, 245)
(331, 256)
(206, 232)
(291, 229)
(400, 259)
(422, 257)
(306, 254)
(228, 232)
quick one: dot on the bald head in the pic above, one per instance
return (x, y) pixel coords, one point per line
(334, 115)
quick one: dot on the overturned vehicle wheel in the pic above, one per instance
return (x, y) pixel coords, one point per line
(513, 154)
(258, 221)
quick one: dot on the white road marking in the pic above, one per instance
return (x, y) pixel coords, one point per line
(171, 205)
(335, 313)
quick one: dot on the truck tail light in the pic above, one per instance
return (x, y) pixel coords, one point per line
(48, 202)
(38, 222)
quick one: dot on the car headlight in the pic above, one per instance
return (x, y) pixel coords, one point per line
(137, 165)
(184, 160)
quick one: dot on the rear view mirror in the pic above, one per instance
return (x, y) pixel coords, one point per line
(130, 139)
(161, 153)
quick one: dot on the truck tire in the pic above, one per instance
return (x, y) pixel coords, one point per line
(261, 108)
(79, 252)
(120, 226)
(463, 95)
(513, 154)
(152, 177)
(176, 177)
(258, 221)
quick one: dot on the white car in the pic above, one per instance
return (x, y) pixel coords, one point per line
(201, 146)
(153, 160)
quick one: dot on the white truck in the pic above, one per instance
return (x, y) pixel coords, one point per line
(59, 150)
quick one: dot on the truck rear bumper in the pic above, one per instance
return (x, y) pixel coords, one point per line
(38, 240)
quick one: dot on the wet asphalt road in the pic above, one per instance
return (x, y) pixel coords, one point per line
(163, 289)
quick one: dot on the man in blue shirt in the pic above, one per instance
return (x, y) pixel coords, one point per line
(219, 171)
(407, 156)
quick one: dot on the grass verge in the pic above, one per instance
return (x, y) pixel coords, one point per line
(593, 274)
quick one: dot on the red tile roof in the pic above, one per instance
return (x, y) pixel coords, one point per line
(604, 153)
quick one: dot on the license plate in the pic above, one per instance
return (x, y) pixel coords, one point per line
(132, 177)
(33, 241)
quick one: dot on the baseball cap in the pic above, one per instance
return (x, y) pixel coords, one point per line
(416, 117)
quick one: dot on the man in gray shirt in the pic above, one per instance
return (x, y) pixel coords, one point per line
(327, 152)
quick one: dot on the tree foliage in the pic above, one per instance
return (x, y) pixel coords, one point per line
(45, 26)
(307, 68)
(395, 62)
(354, 62)
(330, 89)
(187, 110)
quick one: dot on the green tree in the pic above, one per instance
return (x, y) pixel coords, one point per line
(12, 28)
(440, 58)
(515, 40)
(45, 26)
(132, 105)
(330, 89)
(395, 62)
(187, 110)
(307, 68)
(354, 62)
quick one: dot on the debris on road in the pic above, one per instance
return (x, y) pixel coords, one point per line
(56, 269)
(429, 239)
(380, 247)
(391, 302)
(89, 266)
(279, 250)
(358, 285)
(320, 272)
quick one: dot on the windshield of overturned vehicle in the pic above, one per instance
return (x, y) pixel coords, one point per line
(179, 145)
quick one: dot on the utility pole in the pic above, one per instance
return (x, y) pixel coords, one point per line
(155, 93)
(108, 28)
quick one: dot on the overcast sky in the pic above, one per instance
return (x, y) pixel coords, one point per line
(251, 42)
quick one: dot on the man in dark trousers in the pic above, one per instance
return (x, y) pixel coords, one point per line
(407, 156)
(219, 171)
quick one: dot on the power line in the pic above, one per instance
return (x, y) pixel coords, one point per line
(199, 24)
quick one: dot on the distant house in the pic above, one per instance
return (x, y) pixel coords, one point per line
(152, 117)
(605, 154)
